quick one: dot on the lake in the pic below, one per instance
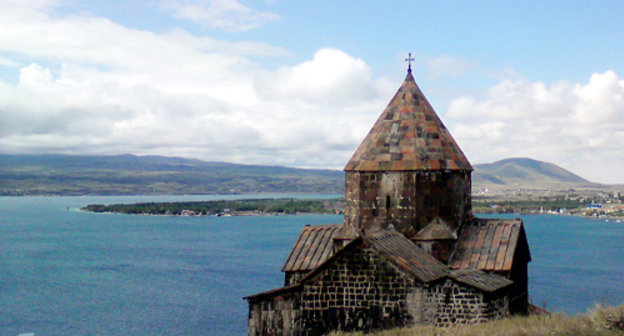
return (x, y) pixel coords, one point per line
(67, 272)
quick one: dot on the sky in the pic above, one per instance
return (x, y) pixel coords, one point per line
(300, 83)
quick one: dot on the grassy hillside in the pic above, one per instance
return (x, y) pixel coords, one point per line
(598, 322)
(153, 175)
(524, 172)
(150, 175)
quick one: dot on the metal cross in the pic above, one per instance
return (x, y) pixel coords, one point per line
(409, 60)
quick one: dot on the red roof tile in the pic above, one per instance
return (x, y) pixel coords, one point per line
(480, 279)
(314, 246)
(412, 134)
(407, 256)
(396, 249)
(488, 244)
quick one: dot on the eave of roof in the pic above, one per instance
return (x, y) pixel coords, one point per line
(273, 292)
(481, 280)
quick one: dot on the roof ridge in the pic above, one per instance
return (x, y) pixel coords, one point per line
(418, 263)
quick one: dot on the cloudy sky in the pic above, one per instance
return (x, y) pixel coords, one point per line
(299, 83)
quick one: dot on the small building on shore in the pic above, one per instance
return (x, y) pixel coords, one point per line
(410, 250)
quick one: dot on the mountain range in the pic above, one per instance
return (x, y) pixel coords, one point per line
(154, 175)
(54, 174)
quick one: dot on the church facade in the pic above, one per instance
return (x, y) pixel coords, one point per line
(410, 251)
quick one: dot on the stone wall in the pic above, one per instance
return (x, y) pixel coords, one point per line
(440, 249)
(498, 307)
(291, 278)
(408, 200)
(519, 296)
(460, 304)
(359, 292)
(275, 315)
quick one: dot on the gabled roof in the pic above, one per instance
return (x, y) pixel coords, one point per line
(392, 246)
(481, 280)
(407, 256)
(437, 229)
(408, 136)
(314, 246)
(489, 244)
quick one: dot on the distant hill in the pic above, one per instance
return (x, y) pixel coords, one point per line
(524, 172)
(158, 175)
(153, 175)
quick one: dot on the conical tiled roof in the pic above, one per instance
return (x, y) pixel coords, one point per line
(408, 135)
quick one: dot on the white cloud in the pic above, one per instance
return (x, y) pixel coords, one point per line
(446, 65)
(8, 62)
(34, 76)
(89, 85)
(331, 77)
(229, 15)
(601, 101)
(579, 126)
(94, 86)
(243, 48)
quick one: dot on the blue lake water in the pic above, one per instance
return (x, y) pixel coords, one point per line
(66, 272)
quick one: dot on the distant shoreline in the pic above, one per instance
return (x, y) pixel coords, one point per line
(225, 208)
(619, 219)
(235, 214)
(296, 206)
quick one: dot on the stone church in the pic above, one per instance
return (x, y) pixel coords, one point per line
(410, 251)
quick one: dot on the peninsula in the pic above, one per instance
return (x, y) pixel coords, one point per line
(243, 207)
